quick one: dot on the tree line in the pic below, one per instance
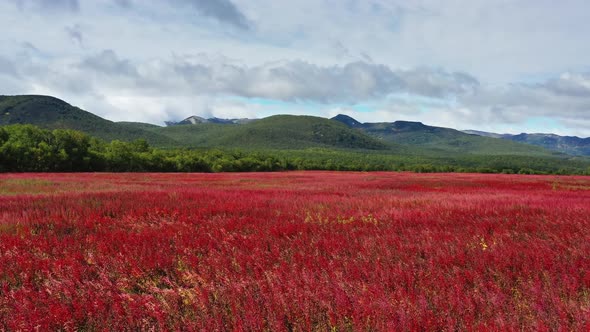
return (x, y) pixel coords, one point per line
(27, 148)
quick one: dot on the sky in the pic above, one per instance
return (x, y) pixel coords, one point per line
(500, 66)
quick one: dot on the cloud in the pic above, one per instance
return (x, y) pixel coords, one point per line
(562, 105)
(366, 57)
(513, 107)
(11, 81)
(108, 74)
(521, 101)
(53, 5)
(108, 63)
(7, 67)
(438, 83)
(222, 10)
(75, 33)
(284, 80)
(124, 3)
(300, 80)
(340, 50)
(570, 84)
(170, 88)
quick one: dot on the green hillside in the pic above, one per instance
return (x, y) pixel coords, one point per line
(139, 125)
(274, 132)
(447, 140)
(276, 142)
(52, 113)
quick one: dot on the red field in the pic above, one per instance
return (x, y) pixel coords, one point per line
(294, 251)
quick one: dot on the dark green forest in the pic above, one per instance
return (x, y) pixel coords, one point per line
(27, 148)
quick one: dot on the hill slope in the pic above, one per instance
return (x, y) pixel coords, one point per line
(194, 119)
(303, 142)
(566, 144)
(274, 132)
(572, 145)
(417, 134)
(282, 132)
(52, 113)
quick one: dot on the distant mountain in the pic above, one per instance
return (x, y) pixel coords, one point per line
(287, 132)
(52, 113)
(567, 144)
(419, 135)
(572, 145)
(199, 120)
(347, 120)
(275, 132)
(485, 133)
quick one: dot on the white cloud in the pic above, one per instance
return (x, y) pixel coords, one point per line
(75, 33)
(48, 5)
(157, 60)
(284, 80)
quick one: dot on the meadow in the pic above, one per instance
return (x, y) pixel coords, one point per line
(294, 251)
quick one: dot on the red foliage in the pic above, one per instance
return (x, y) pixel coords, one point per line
(294, 251)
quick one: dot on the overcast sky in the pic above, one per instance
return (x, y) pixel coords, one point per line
(502, 66)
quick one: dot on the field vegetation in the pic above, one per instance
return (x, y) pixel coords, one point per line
(294, 251)
(27, 148)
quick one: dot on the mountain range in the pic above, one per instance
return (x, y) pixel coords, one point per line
(290, 132)
(194, 119)
(52, 113)
(419, 135)
(567, 144)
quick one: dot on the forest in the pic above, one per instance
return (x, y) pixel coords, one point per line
(27, 148)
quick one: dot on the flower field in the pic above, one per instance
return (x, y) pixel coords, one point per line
(294, 251)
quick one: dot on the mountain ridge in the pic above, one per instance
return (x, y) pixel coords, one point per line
(417, 134)
(277, 132)
(274, 132)
(195, 119)
(572, 145)
(53, 113)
